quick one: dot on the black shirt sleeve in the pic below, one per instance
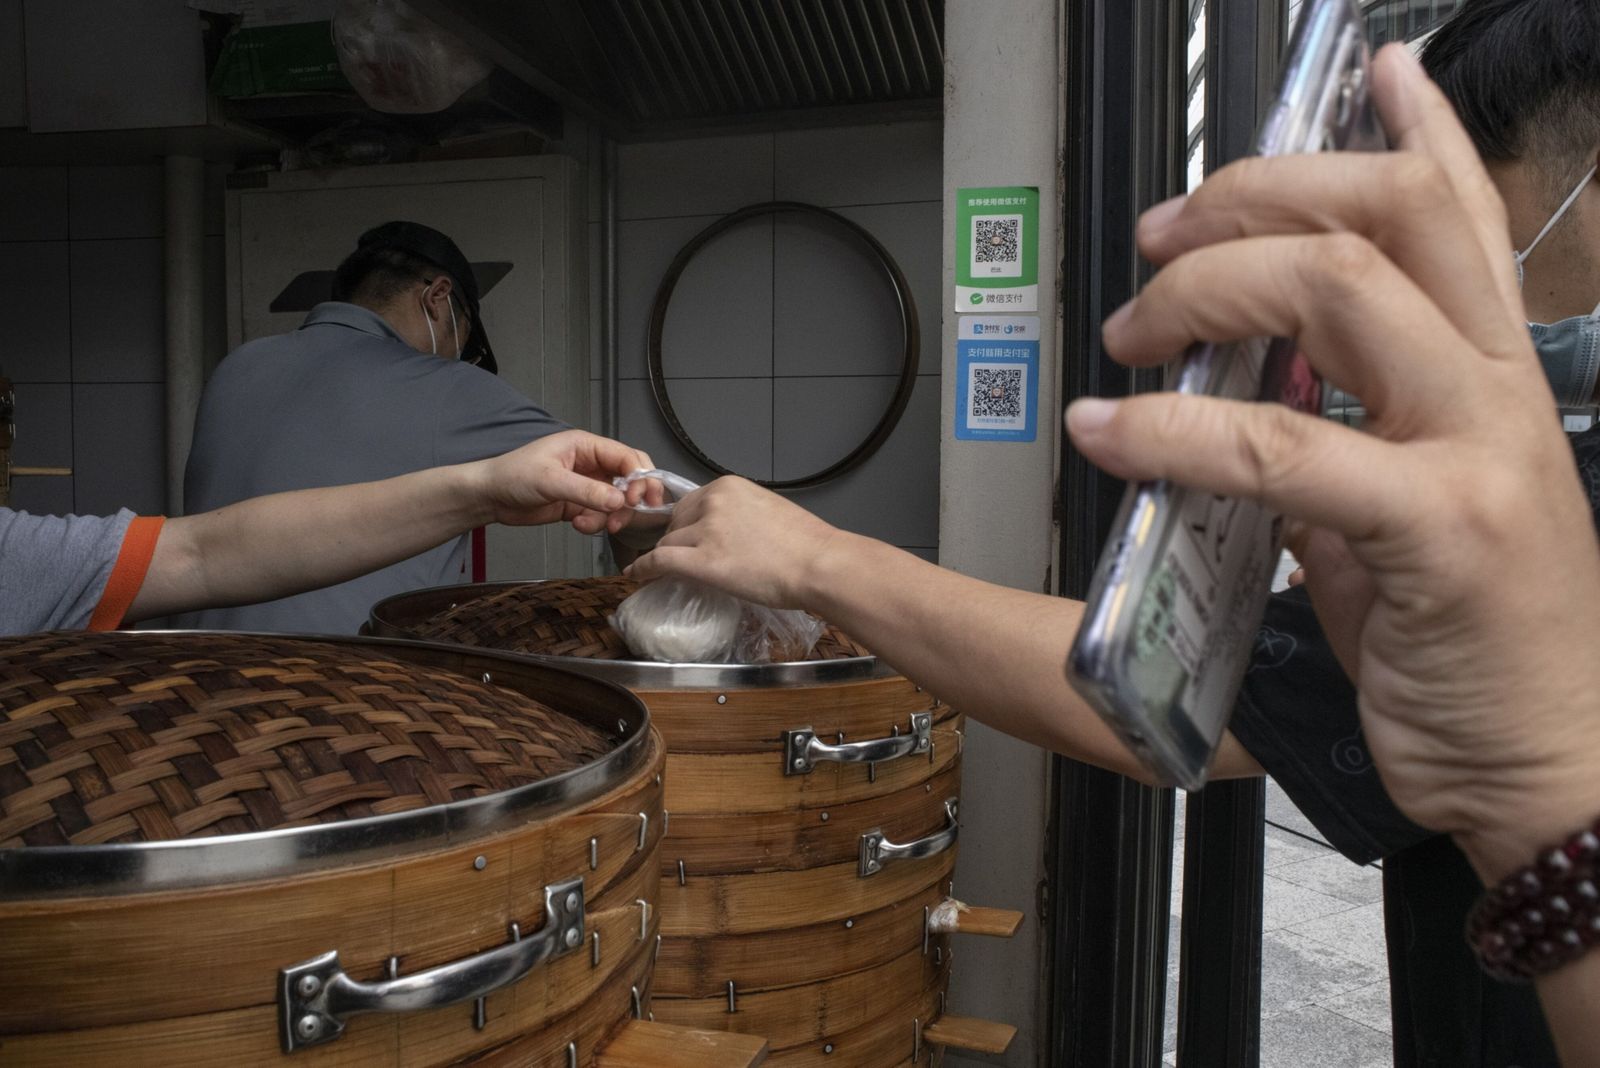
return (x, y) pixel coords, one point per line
(1297, 716)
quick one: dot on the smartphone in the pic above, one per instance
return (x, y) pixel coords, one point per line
(1179, 591)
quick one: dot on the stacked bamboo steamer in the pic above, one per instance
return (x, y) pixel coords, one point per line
(236, 849)
(812, 828)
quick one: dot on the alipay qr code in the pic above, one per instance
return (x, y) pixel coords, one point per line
(997, 246)
(996, 397)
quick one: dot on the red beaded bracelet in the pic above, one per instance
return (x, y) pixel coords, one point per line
(1543, 916)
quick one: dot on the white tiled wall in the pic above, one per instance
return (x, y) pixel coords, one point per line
(82, 331)
(782, 343)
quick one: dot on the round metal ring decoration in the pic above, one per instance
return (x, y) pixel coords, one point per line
(908, 323)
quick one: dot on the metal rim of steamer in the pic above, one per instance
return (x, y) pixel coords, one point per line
(142, 867)
(395, 616)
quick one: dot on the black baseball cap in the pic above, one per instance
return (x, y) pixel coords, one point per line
(429, 244)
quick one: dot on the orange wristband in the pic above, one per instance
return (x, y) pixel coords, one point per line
(127, 574)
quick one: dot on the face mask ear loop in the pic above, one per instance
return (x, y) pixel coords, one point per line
(453, 335)
(1562, 210)
(433, 342)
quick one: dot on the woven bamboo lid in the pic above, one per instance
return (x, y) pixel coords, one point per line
(565, 617)
(144, 737)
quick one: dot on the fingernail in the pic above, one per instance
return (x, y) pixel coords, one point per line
(1119, 318)
(1088, 415)
(1161, 216)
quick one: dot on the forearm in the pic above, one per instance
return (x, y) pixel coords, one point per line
(997, 654)
(270, 547)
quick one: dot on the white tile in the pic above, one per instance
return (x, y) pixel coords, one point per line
(836, 310)
(1315, 1036)
(1359, 884)
(1368, 1006)
(719, 320)
(894, 496)
(34, 284)
(118, 326)
(729, 419)
(42, 495)
(123, 201)
(862, 164)
(44, 425)
(1357, 933)
(698, 176)
(119, 448)
(820, 420)
(33, 203)
(1297, 971)
(1284, 904)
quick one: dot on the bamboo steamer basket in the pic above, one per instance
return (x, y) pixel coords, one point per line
(812, 823)
(253, 849)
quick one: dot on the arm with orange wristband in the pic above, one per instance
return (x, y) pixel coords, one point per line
(100, 573)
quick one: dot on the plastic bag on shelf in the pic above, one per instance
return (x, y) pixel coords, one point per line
(681, 620)
(402, 62)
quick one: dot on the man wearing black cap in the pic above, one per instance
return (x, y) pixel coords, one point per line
(394, 374)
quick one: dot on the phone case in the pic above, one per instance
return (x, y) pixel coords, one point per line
(1179, 591)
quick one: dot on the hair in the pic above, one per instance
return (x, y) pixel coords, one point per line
(1524, 77)
(377, 274)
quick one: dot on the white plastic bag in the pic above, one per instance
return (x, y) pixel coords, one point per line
(400, 61)
(680, 620)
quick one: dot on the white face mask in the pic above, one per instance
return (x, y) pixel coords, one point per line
(433, 342)
(1572, 198)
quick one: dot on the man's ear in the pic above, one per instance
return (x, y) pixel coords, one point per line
(436, 298)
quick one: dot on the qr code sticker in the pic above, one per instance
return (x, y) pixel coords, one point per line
(997, 246)
(995, 394)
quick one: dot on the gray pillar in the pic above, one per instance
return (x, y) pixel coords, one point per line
(1001, 129)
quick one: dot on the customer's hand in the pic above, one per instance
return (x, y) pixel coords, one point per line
(1449, 550)
(565, 476)
(742, 539)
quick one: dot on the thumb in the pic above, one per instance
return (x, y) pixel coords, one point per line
(1341, 592)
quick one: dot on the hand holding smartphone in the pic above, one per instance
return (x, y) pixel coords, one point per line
(1179, 591)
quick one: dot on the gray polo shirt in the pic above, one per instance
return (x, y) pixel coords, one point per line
(54, 569)
(340, 400)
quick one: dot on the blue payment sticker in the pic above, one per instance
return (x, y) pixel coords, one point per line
(997, 378)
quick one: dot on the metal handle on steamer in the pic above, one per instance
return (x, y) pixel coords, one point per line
(877, 851)
(803, 750)
(316, 997)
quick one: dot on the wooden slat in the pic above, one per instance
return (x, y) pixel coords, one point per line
(643, 1044)
(992, 923)
(701, 967)
(745, 904)
(716, 784)
(968, 1033)
(93, 962)
(798, 1015)
(730, 842)
(587, 1012)
(754, 720)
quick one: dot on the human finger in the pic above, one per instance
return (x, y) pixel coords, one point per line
(1307, 468)
(1394, 199)
(1340, 297)
(570, 486)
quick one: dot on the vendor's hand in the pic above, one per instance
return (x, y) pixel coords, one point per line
(743, 539)
(565, 476)
(1449, 550)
